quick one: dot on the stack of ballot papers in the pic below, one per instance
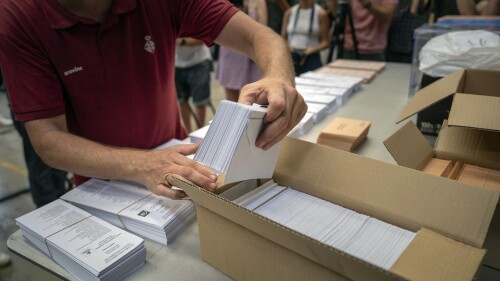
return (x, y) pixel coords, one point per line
(364, 237)
(329, 101)
(229, 146)
(336, 81)
(304, 126)
(344, 133)
(319, 111)
(359, 64)
(197, 136)
(340, 94)
(134, 207)
(87, 247)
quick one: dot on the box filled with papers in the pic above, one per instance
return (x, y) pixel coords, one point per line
(450, 220)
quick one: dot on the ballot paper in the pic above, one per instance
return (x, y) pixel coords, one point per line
(329, 101)
(341, 94)
(304, 126)
(134, 207)
(319, 111)
(229, 146)
(359, 235)
(197, 136)
(337, 81)
(358, 64)
(86, 246)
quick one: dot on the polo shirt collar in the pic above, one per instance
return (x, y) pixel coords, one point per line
(60, 18)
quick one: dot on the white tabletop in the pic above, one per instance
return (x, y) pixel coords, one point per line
(380, 102)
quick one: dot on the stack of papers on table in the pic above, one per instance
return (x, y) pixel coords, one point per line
(336, 81)
(87, 247)
(376, 66)
(364, 237)
(344, 133)
(134, 208)
(366, 75)
(319, 111)
(341, 94)
(329, 101)
(304, 126)
(229, 146)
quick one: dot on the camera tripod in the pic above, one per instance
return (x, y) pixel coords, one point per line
(343, 11)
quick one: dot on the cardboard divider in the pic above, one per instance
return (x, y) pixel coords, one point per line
(474, 111)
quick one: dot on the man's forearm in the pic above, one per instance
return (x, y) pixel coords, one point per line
(65, 151)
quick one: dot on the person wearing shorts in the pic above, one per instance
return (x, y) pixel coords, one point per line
(192, 79)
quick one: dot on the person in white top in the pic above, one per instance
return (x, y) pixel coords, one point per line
(305, 27)
(192, 78)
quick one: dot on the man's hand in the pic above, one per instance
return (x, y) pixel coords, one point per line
(286, 108)
(158, 166)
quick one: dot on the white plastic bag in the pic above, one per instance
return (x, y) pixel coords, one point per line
(452, 51)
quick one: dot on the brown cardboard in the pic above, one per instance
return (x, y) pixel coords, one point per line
(438, 167)
(400, 196)
(367, 75)
(475, 111)
(409, 147)
(476, 147)
(429, 245)
(480, 177)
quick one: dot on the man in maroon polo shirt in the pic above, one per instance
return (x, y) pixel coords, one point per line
(93, 81)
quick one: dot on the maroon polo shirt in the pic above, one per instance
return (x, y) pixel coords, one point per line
(114, 80)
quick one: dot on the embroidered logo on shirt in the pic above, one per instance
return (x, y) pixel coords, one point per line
(73, 70)
(150, 45)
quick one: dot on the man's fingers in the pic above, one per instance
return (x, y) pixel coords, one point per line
(165, 191)
(277, 105)
(186, 149)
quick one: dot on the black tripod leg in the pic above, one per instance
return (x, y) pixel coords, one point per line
(353, 32)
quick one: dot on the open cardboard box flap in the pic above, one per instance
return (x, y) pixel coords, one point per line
(475, 102)
(475, 147)
(409, 147)
(398, 195)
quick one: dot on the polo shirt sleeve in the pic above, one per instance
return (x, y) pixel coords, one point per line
(33, 87)
(203, 19)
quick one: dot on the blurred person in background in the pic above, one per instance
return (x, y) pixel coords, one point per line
(306, 29)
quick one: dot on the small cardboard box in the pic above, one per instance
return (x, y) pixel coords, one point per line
(472, 132)
(451, 219)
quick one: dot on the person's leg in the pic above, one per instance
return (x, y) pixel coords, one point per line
(46, 183)
(183, 97)
(185, 115)
(199, 81)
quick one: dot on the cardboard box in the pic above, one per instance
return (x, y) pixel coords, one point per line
(344, 133)
(451, 219)
(410, 149)
(472, 132)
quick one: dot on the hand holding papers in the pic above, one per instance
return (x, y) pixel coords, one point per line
(229, 146)
(89, 248)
